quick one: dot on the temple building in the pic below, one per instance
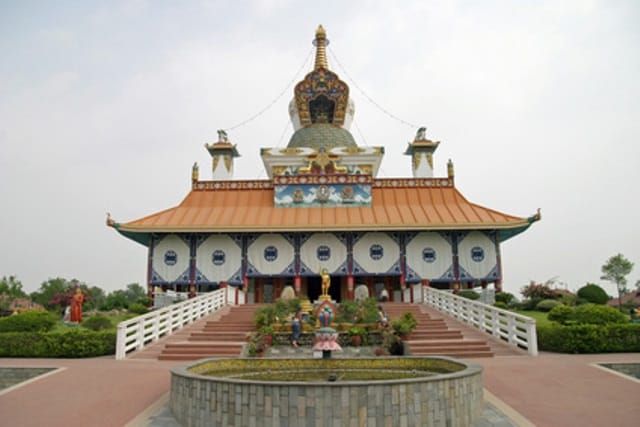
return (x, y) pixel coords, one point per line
(323, 207)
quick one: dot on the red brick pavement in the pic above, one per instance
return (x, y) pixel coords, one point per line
(548, 390)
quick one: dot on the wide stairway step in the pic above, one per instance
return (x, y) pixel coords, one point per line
(222, 337)
(435, 336)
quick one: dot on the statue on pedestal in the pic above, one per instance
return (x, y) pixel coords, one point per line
(326, 283)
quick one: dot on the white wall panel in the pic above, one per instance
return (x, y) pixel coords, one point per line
(368, 245)
(314, 252)
(218, 258)
(170, 258)
(477, 254)
(261, 251)
(429, 255)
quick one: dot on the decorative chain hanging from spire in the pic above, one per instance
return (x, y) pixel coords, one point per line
(321, 42)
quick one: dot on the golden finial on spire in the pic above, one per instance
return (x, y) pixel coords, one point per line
(321, 42)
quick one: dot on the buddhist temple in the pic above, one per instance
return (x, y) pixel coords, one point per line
(323, 208)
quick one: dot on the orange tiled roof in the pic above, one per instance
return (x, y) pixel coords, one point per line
(394, 208)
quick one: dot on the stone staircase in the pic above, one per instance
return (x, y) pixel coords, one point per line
(436, 334)
(222, 334)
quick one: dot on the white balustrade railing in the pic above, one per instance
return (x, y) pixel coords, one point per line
(136, 333)
(515, 329)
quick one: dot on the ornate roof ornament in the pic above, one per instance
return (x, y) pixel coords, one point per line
(321, 42)
(321, 98)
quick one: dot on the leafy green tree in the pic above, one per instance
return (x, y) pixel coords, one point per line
(96, 298)
(135, 293)
(116, 299)
(12, 287)
(616, 270)
(48, 293)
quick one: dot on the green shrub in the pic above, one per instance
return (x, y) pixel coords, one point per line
(561, 314)
(405, 324)
(546, 305)
(264, 316)
(597, 315)
(530, 304)
(29, 321)
(369, 309)
(568, 299)
(98, 323)
(469, 294)
(505, 297)
(593, 293)
(501, 304)
(76, 342)
(610, 338)
(138, 308)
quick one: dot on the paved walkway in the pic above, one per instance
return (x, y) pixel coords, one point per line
(548, 390)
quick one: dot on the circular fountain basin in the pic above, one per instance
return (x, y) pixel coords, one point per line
(302, 392)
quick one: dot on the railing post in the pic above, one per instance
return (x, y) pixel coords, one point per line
(140, 336)
(532, 337)
(121, 336)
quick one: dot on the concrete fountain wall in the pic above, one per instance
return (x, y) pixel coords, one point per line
(443, 399)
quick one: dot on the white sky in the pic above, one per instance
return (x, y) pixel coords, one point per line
(104, 107)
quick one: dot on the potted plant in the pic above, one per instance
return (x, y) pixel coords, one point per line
(358, 335)
(267, 334)
(404, 325)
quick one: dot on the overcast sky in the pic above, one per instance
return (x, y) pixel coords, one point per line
(104, 107)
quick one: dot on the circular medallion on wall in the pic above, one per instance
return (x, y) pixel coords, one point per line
(376, 252)
(270, 253)
(429, 255)
(218, 257)
(323, 253)
(477, 254)
(170, 257)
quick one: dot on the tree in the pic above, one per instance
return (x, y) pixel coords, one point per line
(95, 298)
(12, 287)
(616, 270)
(116, 299)
(47, 294)
(538, 291)
(135, 293)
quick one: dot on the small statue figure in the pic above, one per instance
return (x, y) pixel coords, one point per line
(421, 134)
(76, 307)
(325, 317)
(326, 282)
(195, 172)
(110, 221)
(222, 136)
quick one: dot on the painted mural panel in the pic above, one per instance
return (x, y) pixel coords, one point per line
(322, 195)
(477, 256)
(170, 260)
(270, 254)
(323, 250)
(218, 259)
(376, 253)
(429, 256)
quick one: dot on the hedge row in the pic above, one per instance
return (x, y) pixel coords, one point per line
(68, 344)
(611, 338)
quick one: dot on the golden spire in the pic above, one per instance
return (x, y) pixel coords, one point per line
(321, 43)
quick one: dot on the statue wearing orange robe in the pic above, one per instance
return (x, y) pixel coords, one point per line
(76, 307)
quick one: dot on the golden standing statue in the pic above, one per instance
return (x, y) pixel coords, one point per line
(326, 283)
